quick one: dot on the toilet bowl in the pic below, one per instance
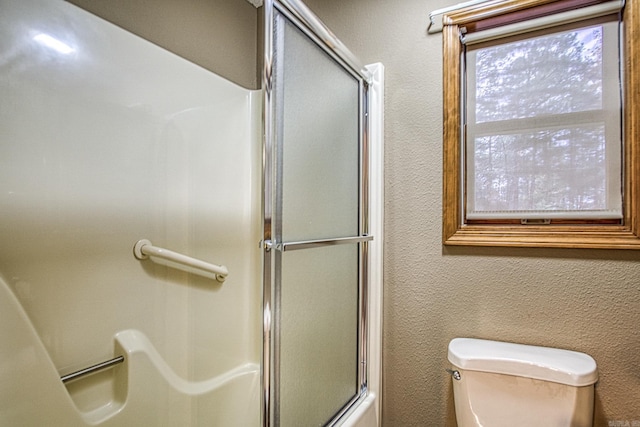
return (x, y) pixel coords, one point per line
(498, 384)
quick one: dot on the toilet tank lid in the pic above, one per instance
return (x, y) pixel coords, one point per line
(542, 363)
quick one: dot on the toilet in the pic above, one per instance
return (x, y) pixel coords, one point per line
(499, 384)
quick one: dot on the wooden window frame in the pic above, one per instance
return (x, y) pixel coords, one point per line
(602, 236)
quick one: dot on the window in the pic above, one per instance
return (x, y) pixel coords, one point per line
(533, 151)
(543, 125)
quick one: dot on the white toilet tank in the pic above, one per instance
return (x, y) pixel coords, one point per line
(498, 384)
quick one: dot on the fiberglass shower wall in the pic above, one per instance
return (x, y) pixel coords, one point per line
(106, 139)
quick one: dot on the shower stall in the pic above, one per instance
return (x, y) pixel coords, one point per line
(178, 250)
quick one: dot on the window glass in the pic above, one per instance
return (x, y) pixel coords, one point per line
(535, 171)
(552, 74)
(543, 127)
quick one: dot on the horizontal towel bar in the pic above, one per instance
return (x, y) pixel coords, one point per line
(308, 244)
(92, 369)
(143, 249)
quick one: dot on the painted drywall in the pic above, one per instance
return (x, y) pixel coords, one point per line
(219, 35)
(585, 300)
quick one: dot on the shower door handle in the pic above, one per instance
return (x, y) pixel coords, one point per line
(308, 244)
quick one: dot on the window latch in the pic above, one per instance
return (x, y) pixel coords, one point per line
(536, 221)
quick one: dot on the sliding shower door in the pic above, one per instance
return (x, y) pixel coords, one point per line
(315, 222)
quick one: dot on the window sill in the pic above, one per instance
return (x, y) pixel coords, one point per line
(591, 237)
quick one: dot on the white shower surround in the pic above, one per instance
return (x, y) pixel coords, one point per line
(104, 143)
(369, 412)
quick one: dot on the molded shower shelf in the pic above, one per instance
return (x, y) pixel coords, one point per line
(142, 380)
(134, 392)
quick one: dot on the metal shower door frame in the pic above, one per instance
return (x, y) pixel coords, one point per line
(303, 19)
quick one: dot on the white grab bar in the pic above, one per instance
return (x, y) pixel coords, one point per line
(143, 249)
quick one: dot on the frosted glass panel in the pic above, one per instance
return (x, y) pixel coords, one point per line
(317, 186)
(319, 137)
(318, 333)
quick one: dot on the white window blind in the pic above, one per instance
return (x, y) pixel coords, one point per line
(541, 23)
(543, 120)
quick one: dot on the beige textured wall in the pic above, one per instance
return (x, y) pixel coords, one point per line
(220, 35)
(577, 299)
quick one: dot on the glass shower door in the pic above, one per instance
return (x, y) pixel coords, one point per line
(315, 223)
